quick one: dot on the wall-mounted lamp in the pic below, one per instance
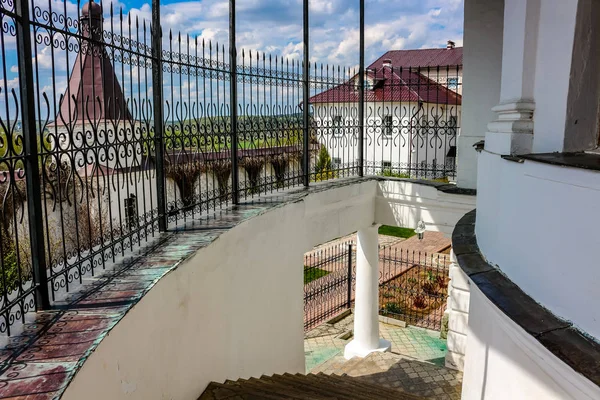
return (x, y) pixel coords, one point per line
(420, 229)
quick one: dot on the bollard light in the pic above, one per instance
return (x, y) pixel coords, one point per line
(420, 229)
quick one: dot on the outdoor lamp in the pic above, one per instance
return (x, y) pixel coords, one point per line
(420, 230)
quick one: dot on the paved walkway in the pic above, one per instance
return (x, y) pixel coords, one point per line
(415, 364)
(432, 242)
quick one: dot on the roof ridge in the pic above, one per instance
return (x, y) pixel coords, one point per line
(429, 48)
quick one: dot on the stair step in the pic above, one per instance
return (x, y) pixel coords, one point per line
(348, 365)
(220, 391)
(377, 389)
(307, 385)
(341, 389)
(304, 387)
(285, 388)
(355, 391)
(247, 392)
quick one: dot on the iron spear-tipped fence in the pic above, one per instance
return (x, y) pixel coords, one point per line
(113, 130)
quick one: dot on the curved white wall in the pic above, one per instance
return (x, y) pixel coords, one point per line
(505, 362)
(403, 203)
(538, 223)
(235, 308)
(232, 310)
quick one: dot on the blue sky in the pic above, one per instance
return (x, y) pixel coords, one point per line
(272, 26)
(276, 25)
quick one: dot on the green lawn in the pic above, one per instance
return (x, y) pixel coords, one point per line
(311, 274)
(395, 231)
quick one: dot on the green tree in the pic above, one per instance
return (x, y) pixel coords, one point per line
(323, 163)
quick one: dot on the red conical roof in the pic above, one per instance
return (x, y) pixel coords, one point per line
(94, 92)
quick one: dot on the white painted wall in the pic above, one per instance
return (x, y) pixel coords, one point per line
(232, 310)
(483, 28)
(409, 142)
(544, 215)
(215, 318)
(505, 362)
(457, 309)
(401, 203)
(533, 219)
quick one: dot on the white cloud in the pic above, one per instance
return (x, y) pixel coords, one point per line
(14, 69)
(10, 83)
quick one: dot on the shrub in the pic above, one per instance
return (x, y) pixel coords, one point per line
(10, 267)
(420, 302)
(388, 172)
(323, 171)
(392, 308)
(323, 163)
(441, 281)
(430, 288)
(442, 180)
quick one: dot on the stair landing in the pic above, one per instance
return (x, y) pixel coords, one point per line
(398, 372)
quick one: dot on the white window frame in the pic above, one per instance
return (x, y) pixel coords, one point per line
(452, 83)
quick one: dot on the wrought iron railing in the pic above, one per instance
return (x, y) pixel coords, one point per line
(413, 286)
(328, 283)
(113, 131)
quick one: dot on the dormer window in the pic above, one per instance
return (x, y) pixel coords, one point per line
(368, 84)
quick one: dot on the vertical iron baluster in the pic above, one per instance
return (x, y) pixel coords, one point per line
(31, 156)
(349, 304)
(305, 96)
(157, 81)
(233, 105)
(361, 93)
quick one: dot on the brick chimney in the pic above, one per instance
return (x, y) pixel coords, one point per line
(387, 63)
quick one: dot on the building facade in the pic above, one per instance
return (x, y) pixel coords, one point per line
(412, 114)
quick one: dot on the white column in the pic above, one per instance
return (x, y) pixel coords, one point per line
(482, 59)
(512, 131)
(366, 309)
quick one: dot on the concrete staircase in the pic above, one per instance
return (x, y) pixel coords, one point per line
(377, 376)
(299, 386)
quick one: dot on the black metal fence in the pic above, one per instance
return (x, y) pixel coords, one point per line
(413, 286)
(328, 283)
(112, 131)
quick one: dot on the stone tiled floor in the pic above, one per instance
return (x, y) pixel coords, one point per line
(398, 372)
(415, 364)
(417, 343)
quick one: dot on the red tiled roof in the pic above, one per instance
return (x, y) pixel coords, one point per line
(441, 57)
(391, 85)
